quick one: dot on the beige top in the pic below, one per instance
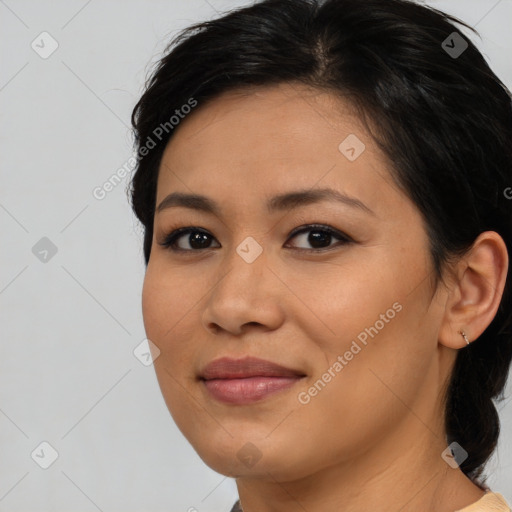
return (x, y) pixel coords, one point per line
(489, 502)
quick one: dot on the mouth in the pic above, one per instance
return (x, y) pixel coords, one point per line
(247, 380)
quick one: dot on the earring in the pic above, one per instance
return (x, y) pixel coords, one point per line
(464, 336)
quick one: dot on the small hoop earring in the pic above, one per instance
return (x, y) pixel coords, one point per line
(464, 336)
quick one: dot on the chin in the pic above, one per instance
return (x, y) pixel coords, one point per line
(254, 456)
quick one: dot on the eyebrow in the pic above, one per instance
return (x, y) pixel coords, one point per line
(279, 203)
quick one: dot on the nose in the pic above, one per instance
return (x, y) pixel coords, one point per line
(246, 296)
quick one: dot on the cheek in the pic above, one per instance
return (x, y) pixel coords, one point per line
(368, 394)
(164, 310)
(369, 318)
(344, 300)
(154, 306)
(164, 303)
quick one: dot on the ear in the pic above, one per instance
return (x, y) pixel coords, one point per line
(475, 292)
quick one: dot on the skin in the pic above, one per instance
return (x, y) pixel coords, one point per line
(372, 438)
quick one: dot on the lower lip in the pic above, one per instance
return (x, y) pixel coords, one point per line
(248, 390)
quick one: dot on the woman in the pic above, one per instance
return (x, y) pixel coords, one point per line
(325, 193)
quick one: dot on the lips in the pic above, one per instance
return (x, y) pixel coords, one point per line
(227, 368)
(247, 380)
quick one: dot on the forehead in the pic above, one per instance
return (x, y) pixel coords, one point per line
(265, 122)
(259, 141)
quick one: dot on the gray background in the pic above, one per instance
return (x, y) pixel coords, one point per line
(70, 324)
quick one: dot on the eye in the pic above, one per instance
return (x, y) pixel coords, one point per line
(194, 239)
(197, 239)
(319, 237)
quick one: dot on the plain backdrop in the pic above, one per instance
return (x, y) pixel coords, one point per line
(71, 370)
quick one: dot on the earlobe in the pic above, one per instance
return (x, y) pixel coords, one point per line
(475, 292)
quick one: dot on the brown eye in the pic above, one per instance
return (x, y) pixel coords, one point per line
(320, 237)
(197, 239)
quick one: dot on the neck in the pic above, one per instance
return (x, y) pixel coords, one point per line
(404, 472)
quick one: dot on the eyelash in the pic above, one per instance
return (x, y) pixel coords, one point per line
(170, 240)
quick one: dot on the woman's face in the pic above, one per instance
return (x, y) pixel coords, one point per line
(351, 314)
